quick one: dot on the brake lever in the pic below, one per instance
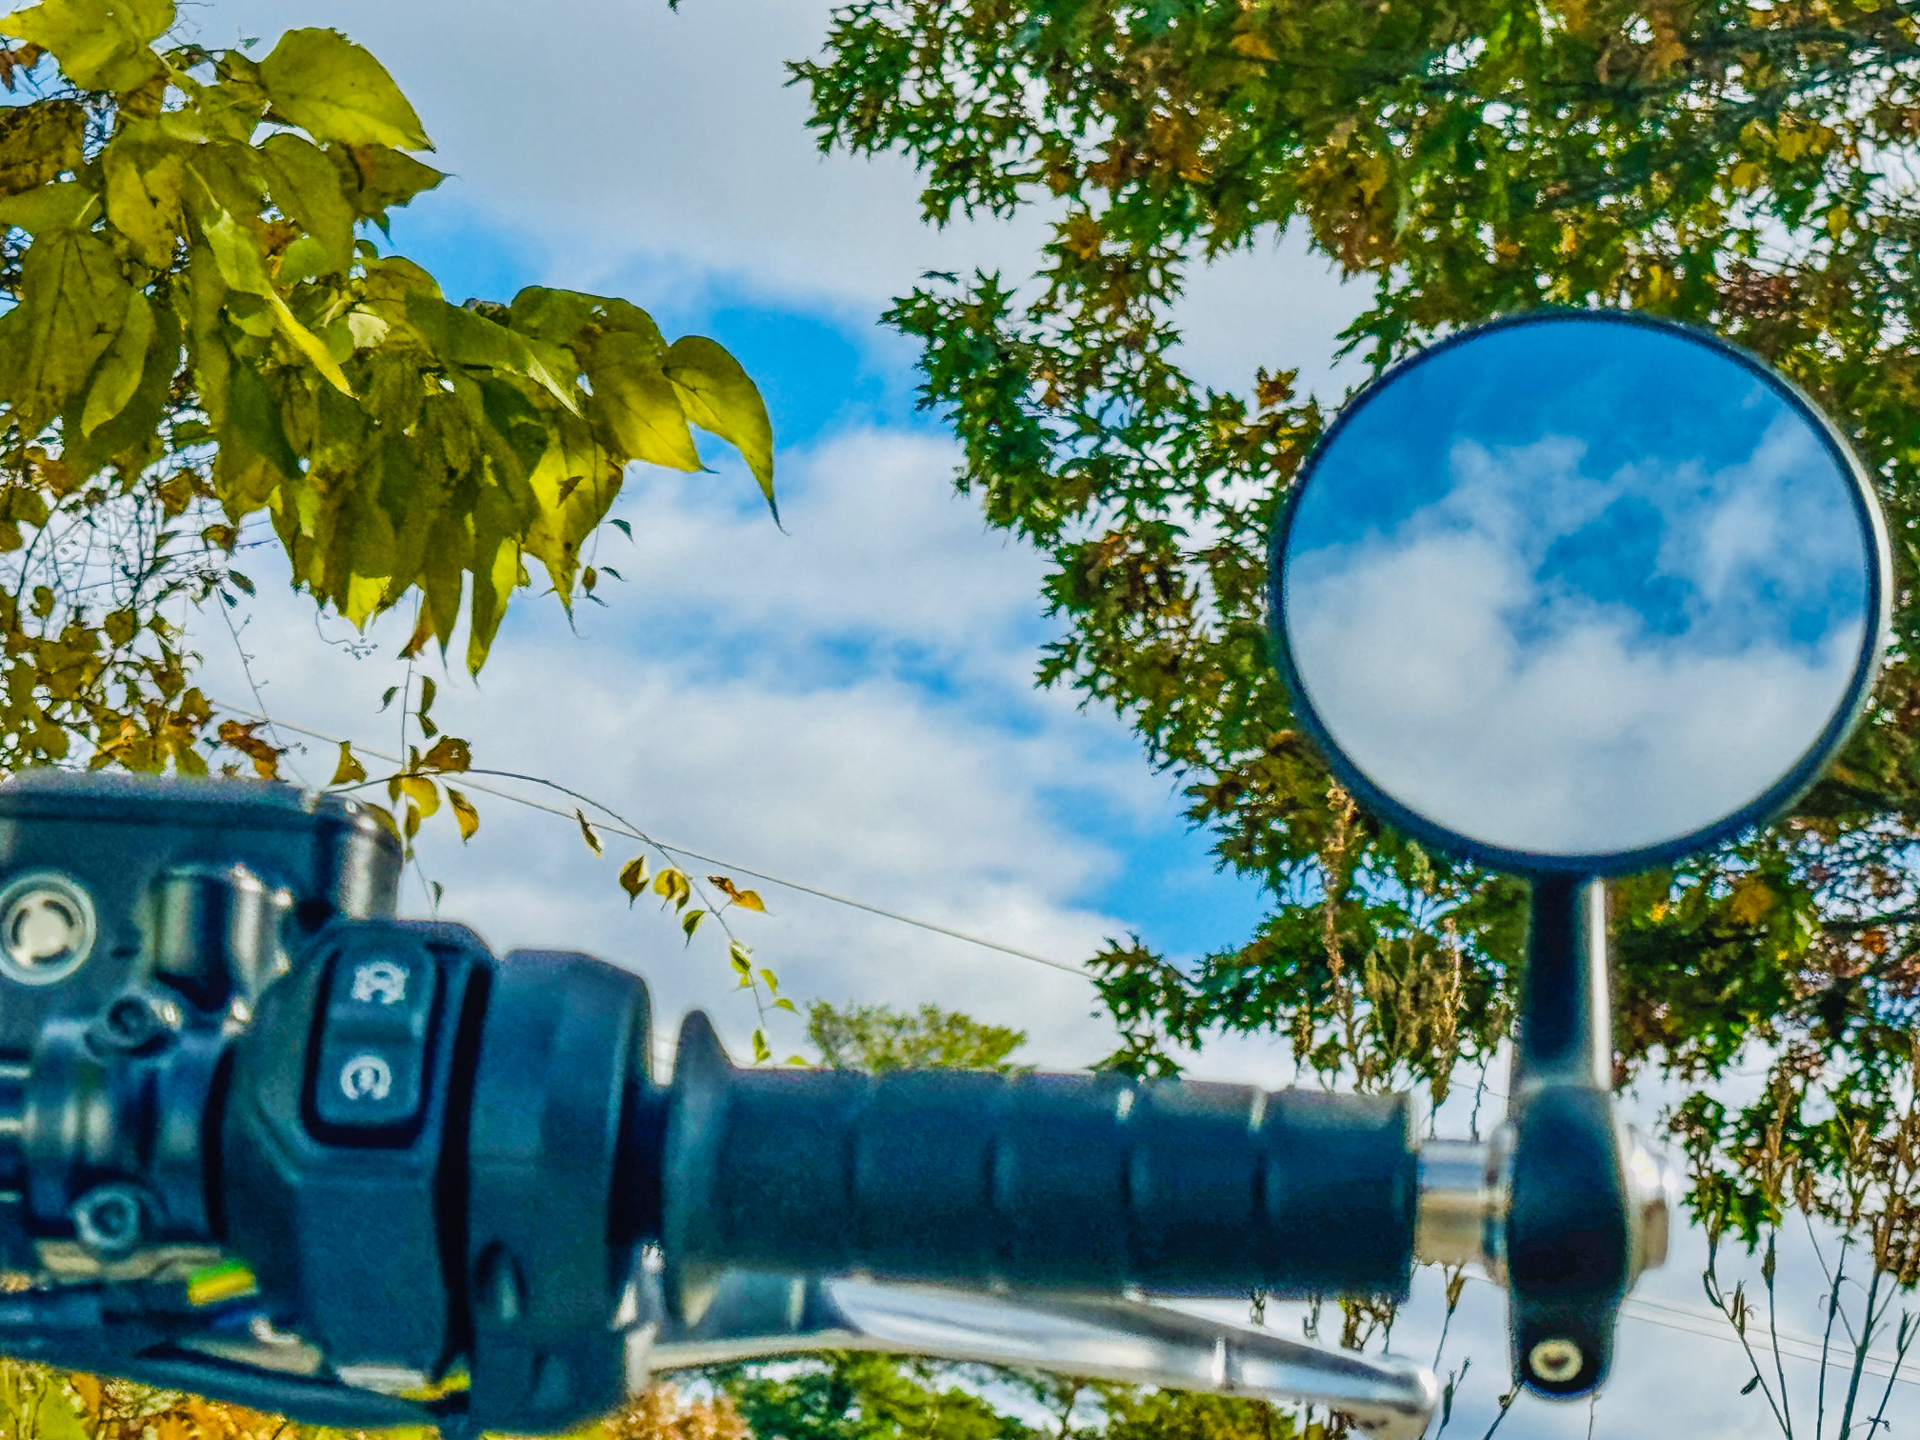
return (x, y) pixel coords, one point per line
(756, 1315)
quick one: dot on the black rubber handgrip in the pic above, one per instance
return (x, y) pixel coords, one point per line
(1092, 1182)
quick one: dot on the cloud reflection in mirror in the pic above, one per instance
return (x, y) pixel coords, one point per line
(1577, 589)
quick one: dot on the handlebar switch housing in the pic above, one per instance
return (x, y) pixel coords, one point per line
(342, 1141)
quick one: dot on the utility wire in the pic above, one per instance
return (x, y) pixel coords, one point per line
(616, 828)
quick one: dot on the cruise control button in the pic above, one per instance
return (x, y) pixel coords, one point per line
(367, 1088)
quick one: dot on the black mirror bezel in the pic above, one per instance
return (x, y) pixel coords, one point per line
(1793, 783)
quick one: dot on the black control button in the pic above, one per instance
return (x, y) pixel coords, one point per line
(388, 993)
(368, 1088)
(369, 1077)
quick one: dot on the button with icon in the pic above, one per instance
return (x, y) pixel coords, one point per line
(369, 1078)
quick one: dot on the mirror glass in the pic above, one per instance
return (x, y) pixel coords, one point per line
(1579, 585)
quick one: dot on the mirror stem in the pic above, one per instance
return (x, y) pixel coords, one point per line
(1568, 1231)
(1566, 1017)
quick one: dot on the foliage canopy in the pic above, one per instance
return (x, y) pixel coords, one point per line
(1743, 166)
(201, 333)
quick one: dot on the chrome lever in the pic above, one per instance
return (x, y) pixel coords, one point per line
(755, 1315)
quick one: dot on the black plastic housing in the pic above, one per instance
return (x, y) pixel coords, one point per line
(118, 835)
(558, 1084)
(357, 1241)
(1096, 1183)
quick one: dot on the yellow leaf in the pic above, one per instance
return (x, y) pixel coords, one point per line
(422, 791)
(335, 90)
(745, 899)
(1746, 176)
(1252, 46)
(672, 886)
(587, 831)
(1751, 900)
(463, 812)
(720, 398)
(349, 771)
(448, 753)
(633, 877)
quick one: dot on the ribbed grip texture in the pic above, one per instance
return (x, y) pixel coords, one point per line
(1096, 1183)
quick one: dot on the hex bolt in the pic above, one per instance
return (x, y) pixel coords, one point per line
(133, 1022)
(109, 1220)
(1555, 1361)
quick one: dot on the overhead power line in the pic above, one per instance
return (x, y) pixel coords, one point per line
(617, 828)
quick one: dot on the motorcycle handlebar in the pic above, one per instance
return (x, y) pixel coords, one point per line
(1091, 1183)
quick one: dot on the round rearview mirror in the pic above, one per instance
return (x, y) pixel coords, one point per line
(1579, 591)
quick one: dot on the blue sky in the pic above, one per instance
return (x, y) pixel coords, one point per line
(849, 703)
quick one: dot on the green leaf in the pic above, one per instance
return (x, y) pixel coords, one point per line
(638, 404)
(132, 437)
(57, 1419)
(143, 198)
(118, 375)
(383, 177)
(721, 399)
(557, 316)
(495, 569)
(67, 205)
(73, 304)
(255, 456)
(39, 141)
(335, 90)
(306, 187)
(460, 336)
(244, 268)
(100, 44)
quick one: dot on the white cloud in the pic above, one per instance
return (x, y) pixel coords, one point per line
(765, 697)
(1541, 714)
